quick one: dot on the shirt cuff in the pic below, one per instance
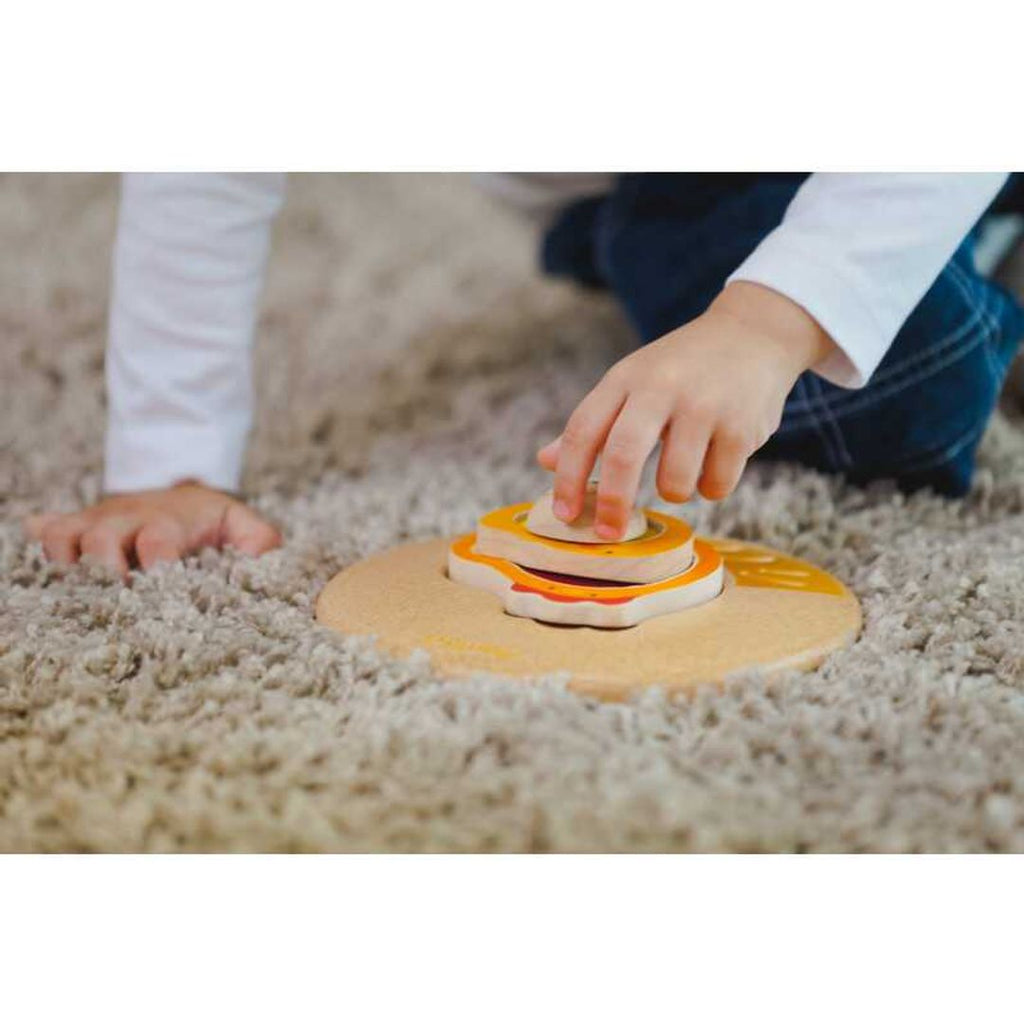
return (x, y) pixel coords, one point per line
(151, 456)
(830, 294)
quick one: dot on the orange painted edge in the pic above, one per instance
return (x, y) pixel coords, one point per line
(706, 561)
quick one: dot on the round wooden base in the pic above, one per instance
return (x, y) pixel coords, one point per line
(774, 613)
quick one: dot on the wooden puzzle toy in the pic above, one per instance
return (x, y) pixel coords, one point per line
(660, 608)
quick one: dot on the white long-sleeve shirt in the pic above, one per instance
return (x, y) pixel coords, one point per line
(857, 251)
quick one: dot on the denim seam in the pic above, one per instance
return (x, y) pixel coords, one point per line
(910, 362)
(874, 396)
(934, 357)
(962, 283)
(990, 328)
(819, 429)
(843, 453)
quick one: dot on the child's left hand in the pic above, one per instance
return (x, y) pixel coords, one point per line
(712, 390)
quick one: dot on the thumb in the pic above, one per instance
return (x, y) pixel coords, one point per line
(248, 532)
(548, 455)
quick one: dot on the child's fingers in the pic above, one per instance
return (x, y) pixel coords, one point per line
(582, 439)
(248, 532)
(630, 441)
(109, 542)
(723, 466)
(682, 455)
(60, 538)
(161, 540)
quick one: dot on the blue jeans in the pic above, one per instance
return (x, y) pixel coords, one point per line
(665, 243)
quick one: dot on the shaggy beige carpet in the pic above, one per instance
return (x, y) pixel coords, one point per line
(409, 363)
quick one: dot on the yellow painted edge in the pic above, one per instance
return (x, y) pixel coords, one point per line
(752, 565)
(668, 534)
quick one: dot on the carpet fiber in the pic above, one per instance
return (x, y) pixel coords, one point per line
(409, 362)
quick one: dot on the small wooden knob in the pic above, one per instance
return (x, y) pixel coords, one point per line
(543, 521)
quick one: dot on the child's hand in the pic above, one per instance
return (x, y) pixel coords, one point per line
(147, 527)
(712, 390)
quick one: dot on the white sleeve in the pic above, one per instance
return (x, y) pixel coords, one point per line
(859, 251)
(188, 271)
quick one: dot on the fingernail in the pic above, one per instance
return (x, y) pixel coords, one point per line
(561, 509)
(606, 532)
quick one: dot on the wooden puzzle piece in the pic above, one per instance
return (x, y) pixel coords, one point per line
(572, 600)
(665, 548)
(543, 522)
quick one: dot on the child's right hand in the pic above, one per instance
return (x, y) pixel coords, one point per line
(713, 389)
(146, 527)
